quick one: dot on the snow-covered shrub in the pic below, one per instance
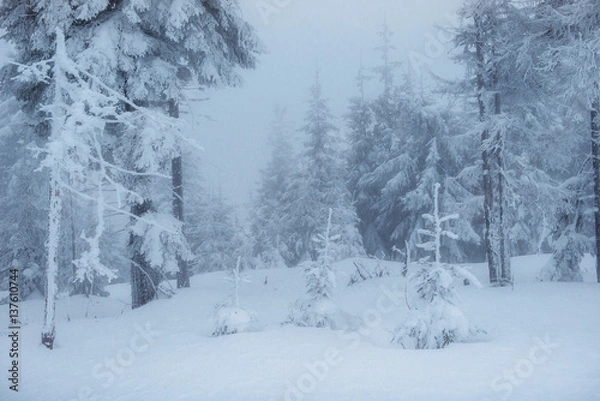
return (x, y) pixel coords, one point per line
(230, 317)
(568, 241)
(319, 310)
(435, 319)
(231, 320)
(565, 263)
(321, 313)
(362, 273)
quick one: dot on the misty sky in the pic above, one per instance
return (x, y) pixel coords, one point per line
(298, 36)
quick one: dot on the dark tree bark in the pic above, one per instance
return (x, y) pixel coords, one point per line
(183, 276)
(595, 129)
(504, 257)
(144, 279)
(488, 188)
(493, 181)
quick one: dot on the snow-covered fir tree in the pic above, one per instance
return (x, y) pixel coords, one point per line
(318, 186)
(319, 310)
(380, 155)
(436, 319)
(170, 44)
(568, 241)
(230, 317)
(217, 238)
(23, 199)
(568, 56)
(74, 155)
(400, 144)
(360, 161)
(483, 38)
(268, 224)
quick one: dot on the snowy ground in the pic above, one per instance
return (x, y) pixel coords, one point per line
(542, 345)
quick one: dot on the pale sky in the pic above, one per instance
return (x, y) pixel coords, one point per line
(299, 35)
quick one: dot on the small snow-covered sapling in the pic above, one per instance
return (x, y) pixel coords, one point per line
(436, 320)
(230, 317)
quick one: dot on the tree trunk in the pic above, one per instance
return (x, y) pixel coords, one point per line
(144, 279)
(504, 257)
(183, 276)
(486, 158)
(595, 128)
(78, 287)
(494, 181)
(55, 207)
(54, 215)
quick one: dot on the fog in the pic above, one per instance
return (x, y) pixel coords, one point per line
(298, 36)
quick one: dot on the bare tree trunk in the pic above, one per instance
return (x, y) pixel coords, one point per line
(78, 287)
(595, 128)
(144, 278)
(486, 158)
(183, 276)
(492, 156)
(504, 257)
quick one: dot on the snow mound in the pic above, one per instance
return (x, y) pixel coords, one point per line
(232, 320)
(322, 313)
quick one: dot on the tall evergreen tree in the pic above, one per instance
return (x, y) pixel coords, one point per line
(268, 225)
(373, 145)
(218, 238)
(570, 49)
(319, 186)
(361, 161)
(483, 40)
(183, 42)
(23, 199)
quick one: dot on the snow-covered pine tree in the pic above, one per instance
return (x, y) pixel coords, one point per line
(230, 317)
(80, 110)
(436, 319)
(384, 155)
(268, 225)
(484, 41)
(146, 50)
(23, 200)
(318, 186)
(437, 233)
(172, 43)
(360, 161)
(569, 38)
(218, 238)
(319, 310)
(569, 243)
(320, 276)
(35, 29)
(533, 122)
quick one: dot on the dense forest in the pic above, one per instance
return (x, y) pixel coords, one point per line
(90, 116)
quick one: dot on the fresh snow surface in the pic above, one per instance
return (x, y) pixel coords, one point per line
(541, 344)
